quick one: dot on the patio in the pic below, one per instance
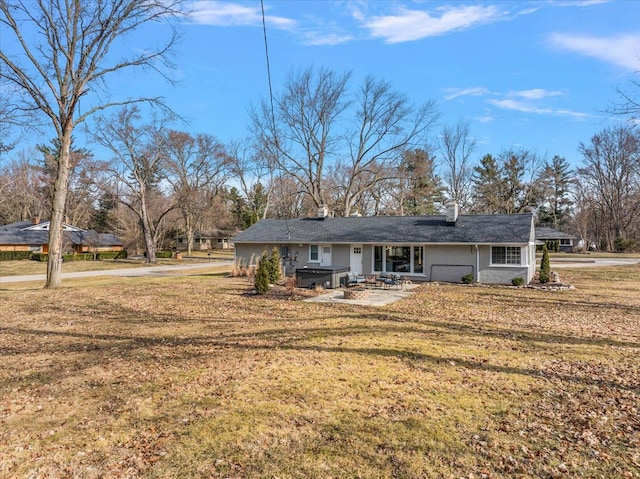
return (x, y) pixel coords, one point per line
(376, 296)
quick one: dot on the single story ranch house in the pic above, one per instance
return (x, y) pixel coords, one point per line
(34, 236)
(491, 248)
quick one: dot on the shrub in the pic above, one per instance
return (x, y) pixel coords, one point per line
(626, 246)
(112, 255)
(467, 278)
(261, 281)
(274, 266)
(291, 283)
(164, 254)
(77, 257)
(40, 257)
(517, 281)
(14, 255)
(545, 266)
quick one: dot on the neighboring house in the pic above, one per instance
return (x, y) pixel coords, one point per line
(549, 235)
(34, 236)
(205, 242)
(492, 248)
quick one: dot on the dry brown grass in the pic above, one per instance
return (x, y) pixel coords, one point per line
(195, 376)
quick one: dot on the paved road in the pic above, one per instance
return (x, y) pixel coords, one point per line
(140, 271)
(591, 262)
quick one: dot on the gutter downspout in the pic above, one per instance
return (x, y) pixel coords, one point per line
(477, 264)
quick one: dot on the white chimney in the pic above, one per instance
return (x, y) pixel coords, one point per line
(323, 211)
(452, 212)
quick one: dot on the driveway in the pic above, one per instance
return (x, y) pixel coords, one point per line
(124, 272)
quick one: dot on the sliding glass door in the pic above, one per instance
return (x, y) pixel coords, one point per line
(398, 259)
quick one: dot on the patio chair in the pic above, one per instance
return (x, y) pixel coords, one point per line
(371, 281)
(390, 280)
(354, 279)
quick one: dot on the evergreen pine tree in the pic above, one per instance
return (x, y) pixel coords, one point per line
(274, 266)
(261, 281)
(545, 266)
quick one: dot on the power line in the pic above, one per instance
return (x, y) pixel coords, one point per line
(273, 115)
(266, 51)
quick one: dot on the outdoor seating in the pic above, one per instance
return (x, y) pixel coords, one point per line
(371, 281)
(354, 279)
(389, 279)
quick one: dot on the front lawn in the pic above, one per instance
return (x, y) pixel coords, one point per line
(193, 377)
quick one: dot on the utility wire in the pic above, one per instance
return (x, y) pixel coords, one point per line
(273, 115)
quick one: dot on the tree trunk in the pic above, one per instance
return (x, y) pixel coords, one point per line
(60, 187)
(189, 229)
(145, 223)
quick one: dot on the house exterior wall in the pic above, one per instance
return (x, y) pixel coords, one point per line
(298, 255)
(449, 262)
(98, 249)
(441, 262)
(14, 247)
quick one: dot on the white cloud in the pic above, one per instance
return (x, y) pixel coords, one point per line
(408, 25)
(487, 118)
(621, 50)
(228, 14)
(536, 94)
(454, 93)
(529, 101)
(320, 39)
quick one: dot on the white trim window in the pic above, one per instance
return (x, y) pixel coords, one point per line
(398, 259)
(314, 253)
(506, 255)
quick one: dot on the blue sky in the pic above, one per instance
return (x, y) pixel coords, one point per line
(524, 74)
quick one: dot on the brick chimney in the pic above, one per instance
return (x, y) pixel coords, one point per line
(35, 220)
(323, 211)
(452, 212)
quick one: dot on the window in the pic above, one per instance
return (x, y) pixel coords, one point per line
(418, 255)
(565, 241)
(357, 250)
(398, 259)
(313, 253)
(505, 255)
(377, 258)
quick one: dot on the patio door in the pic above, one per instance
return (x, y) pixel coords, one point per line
(355, 258)
(325, 255)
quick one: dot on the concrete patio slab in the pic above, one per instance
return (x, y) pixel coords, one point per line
(377, 296)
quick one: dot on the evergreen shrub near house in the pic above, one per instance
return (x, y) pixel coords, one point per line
(261, 280)
(517, 281)
(164, 254)
(14, 255)
(274, 266)
(467, 278)
(545, 266)
(39, 257)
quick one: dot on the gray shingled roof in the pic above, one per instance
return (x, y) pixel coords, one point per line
(19, 234)
(543, 233)
(392, 229)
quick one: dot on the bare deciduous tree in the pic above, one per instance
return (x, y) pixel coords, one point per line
(629, 103)
(138, 169)
(387, 125)
(62, 55)
(193, 165)
(456, 146)
(299, 135)
(254, 170)
(610, 178)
